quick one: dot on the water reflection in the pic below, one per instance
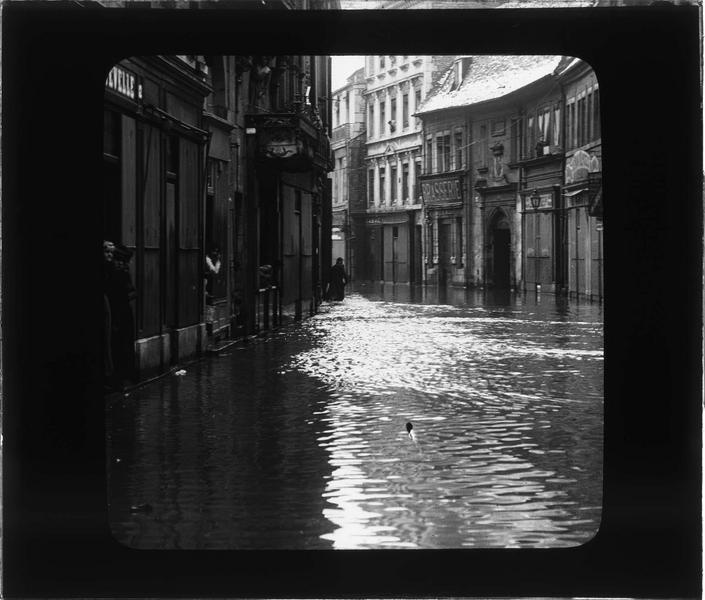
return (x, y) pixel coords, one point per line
(299, 441)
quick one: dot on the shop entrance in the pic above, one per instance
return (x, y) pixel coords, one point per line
(444, 253)
(501, 244)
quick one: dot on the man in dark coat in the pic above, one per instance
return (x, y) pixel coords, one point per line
(338, 281)
(121, 292)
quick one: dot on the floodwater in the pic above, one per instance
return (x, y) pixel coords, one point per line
(298, 440)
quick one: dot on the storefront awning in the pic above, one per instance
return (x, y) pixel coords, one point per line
(574, 192)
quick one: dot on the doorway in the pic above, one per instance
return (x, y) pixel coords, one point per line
(501, 252)
(444, 252)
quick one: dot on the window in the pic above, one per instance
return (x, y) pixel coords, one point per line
(371, 123)
(381, 185)
(482, 145)
(572, 125)
(341, 181)
(381, 62)
(393, 110)
(381, 118)
(497, 126)
(346, 107)
(429, 155)
(529, 138)
(596, 129)
(443, 152)
(416, 192)
(544, 130)
(459, 239)
(337, 112)
(515, 149)
(417, 100)
(582, 124)
(405, 182)
(556, 141)
(370, 187)
(458, 150)
(405, 110)
(393, 184)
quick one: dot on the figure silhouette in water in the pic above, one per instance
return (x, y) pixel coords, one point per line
(338, 281)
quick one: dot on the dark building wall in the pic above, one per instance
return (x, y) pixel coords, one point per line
(156, 209)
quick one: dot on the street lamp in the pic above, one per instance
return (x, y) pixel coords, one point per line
(535, 200)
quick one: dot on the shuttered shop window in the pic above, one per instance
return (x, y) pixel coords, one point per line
(189, 251)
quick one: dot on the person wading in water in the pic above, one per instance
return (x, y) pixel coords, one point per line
(338, 281)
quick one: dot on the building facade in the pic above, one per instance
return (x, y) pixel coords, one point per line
(155, 147)
(582, 181)
(396, 86)
(512, 175)
(225, 153)
(348, 178)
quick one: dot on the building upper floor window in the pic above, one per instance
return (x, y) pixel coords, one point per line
(429, 155)
(370, 187)
(405, 182)
(393, 184)
(417, 100)
(443, 152)
(405, 110)
(371, 121)
(381, 185)
(393, 113)
(482, 145)
(381, 118)
(458, 142)
(381, 62)
(583, 118)
(539, 130)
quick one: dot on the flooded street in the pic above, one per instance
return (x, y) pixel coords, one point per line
(298, 440)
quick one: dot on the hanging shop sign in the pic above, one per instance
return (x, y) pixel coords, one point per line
(579, 166)
(124, 83)
(440, 191)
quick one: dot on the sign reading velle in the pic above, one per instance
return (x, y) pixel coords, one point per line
(124, 83)
(441, 190)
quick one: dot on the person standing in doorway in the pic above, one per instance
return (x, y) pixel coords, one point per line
(121, 293)
(338, 281)
(212, 272)
(108, 267)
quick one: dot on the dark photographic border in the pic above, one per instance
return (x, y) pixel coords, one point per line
(56, 539)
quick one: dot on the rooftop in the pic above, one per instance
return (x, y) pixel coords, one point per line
(487, 78)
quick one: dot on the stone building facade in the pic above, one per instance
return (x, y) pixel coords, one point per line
(524, 209)
(395, 88)
(348, 178)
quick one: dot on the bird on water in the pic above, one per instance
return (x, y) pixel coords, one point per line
(410, 431)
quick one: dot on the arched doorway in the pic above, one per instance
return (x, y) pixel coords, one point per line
(500, 236)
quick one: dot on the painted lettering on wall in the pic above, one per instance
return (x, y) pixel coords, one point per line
(441, 190)
(124, 83)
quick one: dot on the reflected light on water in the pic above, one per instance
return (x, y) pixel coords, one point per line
(480, 391)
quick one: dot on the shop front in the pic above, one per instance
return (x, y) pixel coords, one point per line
(445, 226)
(583, 202)
(153, 200)
(391, 241)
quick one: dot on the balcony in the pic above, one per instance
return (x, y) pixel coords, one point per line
(292, 142)
(341, 133)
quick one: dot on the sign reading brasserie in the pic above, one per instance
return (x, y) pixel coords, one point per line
(124, 83)
(441, 190)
